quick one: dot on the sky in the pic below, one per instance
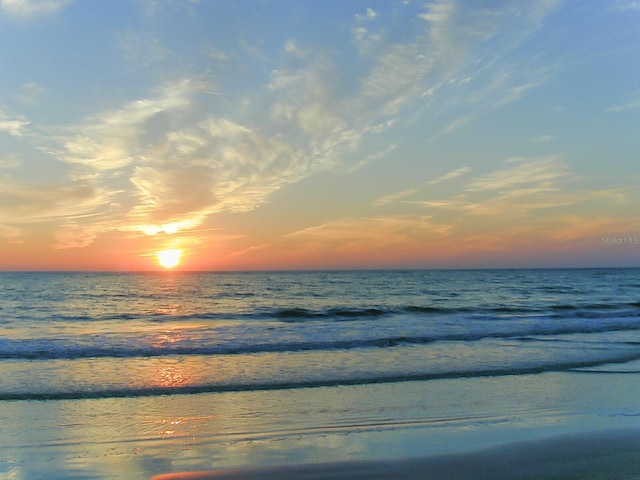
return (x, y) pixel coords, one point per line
(260, 134)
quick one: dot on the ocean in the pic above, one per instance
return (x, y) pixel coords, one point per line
(127, 375)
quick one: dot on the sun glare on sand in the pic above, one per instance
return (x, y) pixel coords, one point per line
(169, 258)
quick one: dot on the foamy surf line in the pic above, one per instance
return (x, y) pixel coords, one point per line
(588, 456)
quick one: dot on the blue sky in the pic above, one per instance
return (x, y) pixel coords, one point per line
(279, 134)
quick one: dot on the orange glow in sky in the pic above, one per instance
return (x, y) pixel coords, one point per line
(414, 134)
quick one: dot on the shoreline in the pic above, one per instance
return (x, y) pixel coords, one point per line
(452, 429)
(595, 455)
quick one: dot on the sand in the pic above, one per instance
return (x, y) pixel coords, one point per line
(590, 456)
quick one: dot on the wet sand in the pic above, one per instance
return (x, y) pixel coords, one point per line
(575, 425)
(589, 456)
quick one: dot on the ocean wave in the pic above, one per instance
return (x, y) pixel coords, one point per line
(96, 392)
(300, 314)
(175, 313)
(210, 343)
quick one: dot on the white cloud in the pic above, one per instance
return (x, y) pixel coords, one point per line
(448, 59)
(369, 15)
(532, 185)
(394, 197)
(536, 170)
(27, 8)
(515, 93)
(213, 166)
(113, 140)
(12, 125)
(622, 108)
(292, 48)
(450, 175)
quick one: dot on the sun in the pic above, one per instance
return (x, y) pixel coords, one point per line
(169, 258)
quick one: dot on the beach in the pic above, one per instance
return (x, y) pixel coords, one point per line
(424, 374)
(540, 426)
(595, 456)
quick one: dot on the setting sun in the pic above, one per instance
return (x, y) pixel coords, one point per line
(169, 258)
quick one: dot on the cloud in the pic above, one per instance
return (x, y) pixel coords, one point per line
(11, 234)
(394, 197)
(372, 157)
(186, 167)
(216, 165)
(396, 76)
(21, 203)
(448, 64)
(627, 6)
(450, 175)
(364, 234)
(534, 184)
(169, 160)
(455, 125)
(522, 206)
(30, 92)
(515, 93)
(14, 126)
(141, 48)
(369, 15)
(292, 48)
(185, 163)
(113, 140)
(29, 8)
(10, 161)
(76, 211)
(527, 171)
(632, 103)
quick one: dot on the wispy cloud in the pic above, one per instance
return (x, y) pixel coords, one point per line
(113, 140)
(621, 108)
(21, 203)
(394, 197)
(165, 162)
(13, 125)
(626, 6)
(515, 93)
(11, 160)
(524, 205)
(533, 185)
(526, 171)
(292, 48)
(450, 175)
(369, 15)
(29, 8)
(367, 234)
(454, 125)
(29, 93)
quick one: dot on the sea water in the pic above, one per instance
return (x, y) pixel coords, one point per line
(149, 364)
